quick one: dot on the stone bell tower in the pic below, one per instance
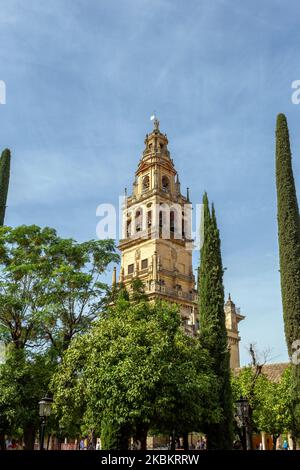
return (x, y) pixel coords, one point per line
(232, 317)
(156, 243)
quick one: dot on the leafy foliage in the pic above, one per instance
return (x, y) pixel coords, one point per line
(74, 289)
(50, 291)
(213, 334)
(25, 265)
(136, 369)
(4, 182)
(23, 382)
(289, 252)
(50, 287)
(270, 401)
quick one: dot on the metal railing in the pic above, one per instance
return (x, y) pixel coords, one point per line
(160, 289)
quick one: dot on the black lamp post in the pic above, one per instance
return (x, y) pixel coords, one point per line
(44, 412)
(173, 440)
(242, 407)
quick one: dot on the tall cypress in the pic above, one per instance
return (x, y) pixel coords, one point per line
(213, 334)
(4, 182)
(289, 252)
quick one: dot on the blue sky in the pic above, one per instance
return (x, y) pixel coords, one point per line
(83, 78)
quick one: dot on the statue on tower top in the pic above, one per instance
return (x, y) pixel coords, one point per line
(155, 122)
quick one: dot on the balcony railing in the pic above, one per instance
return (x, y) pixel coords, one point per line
(160, 289)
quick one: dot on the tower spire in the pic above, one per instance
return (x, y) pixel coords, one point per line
(188, 194)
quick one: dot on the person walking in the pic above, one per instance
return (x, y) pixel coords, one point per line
(285, 445)
(81, 444)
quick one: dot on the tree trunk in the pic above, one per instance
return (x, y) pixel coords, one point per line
(2, 442)
(274, 437)
(173, 441)
(29, 437)
(144, 439)
(140, 439)
(186, 441)
(48, 441)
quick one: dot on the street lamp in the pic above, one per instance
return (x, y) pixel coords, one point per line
(242, 407)
(44, 412)
(173, 440)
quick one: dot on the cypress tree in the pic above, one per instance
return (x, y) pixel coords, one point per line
(289, 253)
(213, 334)
(4, 182)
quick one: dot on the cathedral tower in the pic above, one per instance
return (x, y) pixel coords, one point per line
(156, 244)
(233, 316)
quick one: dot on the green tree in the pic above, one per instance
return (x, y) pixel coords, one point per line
(24, 379)
(138, 291)
(135, 370)
(24, 267)
(289, 253)
(50, 287)
(213, 335)
(274, 413)
(50, 290)
(75, 292)
(4, 182)
(270, 401)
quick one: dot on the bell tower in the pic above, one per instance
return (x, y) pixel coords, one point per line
(232, 317)
(156, 244)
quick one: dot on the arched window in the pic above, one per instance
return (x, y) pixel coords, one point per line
(172, 221)
(165, 183)
(138, 220)
(146, 183)
(149, 218)
(128, 228)
(160, 219)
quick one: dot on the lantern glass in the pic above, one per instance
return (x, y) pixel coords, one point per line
(45, 405)
(245, 409)
(242, 408)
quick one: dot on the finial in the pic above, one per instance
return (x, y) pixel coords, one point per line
(229, 297)
(125, 191)
(155, 122)
(188, 194)
(114, 276)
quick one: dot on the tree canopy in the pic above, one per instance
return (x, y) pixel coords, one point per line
(136, 369)
(50, 287)
(50, 291)
(271, 402)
